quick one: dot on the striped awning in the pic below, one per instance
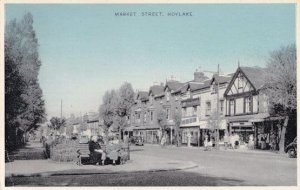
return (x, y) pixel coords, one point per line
(259, 117)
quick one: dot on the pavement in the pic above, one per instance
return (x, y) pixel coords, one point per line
(137, 163)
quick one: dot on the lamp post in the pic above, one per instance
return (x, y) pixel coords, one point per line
(218, 103)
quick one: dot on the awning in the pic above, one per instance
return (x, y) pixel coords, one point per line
(129, 128)
(259, 117)
(203, 125)
(190, 122)
(145, 128)
(138, 110)
(240, 118)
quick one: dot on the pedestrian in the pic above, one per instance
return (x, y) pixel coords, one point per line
(251, 142)
(232, 141)
(206, 142)
(226, 139)
(273, 141)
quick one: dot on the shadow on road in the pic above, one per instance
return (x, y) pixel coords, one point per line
(177, 178)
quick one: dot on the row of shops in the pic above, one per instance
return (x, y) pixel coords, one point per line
(264, 129)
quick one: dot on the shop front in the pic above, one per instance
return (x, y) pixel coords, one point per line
(148, 134)
(244, 129)
(190, 130)
(267, 132)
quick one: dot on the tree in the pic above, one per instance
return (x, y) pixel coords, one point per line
(281, 86)
(125, 101)
(24, 105)
(57, 123)
(213, 123)
(161, 116)
(107, 109)
(177, 121)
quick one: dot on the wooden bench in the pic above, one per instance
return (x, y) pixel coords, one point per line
(120, 153)
(83, 152)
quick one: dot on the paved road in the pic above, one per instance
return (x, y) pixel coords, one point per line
(246, 168)
(216, 168)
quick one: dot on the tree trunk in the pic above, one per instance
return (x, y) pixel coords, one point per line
(282, 135)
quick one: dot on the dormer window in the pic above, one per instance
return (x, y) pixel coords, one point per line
(150, 99)
(213, 88)
(167, 96)
(188, 94)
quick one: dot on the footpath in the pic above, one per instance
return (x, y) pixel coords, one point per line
(137, 163)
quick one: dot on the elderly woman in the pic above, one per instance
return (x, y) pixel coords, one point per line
(96, 153)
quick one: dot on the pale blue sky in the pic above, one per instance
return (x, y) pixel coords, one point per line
(86, 50)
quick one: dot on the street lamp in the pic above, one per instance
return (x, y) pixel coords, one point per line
(218, 115)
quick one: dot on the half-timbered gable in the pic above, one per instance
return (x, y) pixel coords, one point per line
(242, 94)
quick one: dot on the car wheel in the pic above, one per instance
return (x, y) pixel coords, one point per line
(292, 153)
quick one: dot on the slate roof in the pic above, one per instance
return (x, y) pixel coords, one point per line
(223, 78)
(142, 95)
(156, 90)
(93, 117)
(255, 75)
(174, 85)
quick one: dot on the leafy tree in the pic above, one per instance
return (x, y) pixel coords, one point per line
(107, 109)
(161, 116)
(125, 101)
(24, 105)
(213, 124)
(177, 121)
(57, 123)
(281, 86)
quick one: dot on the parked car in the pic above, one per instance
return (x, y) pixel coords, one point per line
(83, 139)
(139, 141)
(291, 149)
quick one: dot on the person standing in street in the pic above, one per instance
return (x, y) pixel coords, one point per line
(226, 139)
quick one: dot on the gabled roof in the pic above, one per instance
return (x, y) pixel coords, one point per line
(173, 85)
(142, 95)
(222, 78)
(156, 90)
(93, 117)
(255, 76)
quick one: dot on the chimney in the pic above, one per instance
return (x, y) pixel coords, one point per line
(199, 76)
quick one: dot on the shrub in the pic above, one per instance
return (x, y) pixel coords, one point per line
(64, 151)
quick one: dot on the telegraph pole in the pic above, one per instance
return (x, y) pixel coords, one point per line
(218, 105)
(60, 109)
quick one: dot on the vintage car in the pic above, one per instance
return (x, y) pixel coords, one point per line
(291, 149)
(83, 139)
(139, 141)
